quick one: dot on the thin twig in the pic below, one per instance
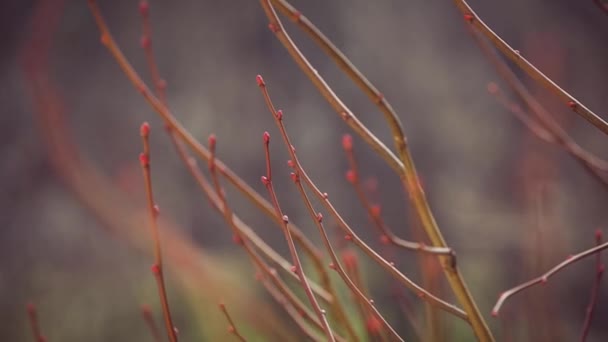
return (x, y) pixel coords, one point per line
(146, 314)
(231, 219)
(190, 163)
(602, 5)
(157, 267)
(404, 165)
(318, 219)
(515, 56)
(173, 124)
(545, 277)
(599, 271)
(32, 315)
(387, 235)
(297, 265)
(231, 326)
(550, 131)
(406, 309)
(292, 312)
(160, 85)
(350, 234)
(238, 229)
(592, 164)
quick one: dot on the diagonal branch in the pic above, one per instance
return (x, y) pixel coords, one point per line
(349, 232)
(545, 277)
(404, 165)
(180, 132)
(515, 56)
(297, 265)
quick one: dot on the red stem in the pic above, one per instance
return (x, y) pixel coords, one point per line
(297, 265)
(375, 216)
(157, 267)
(231, 327)
(599, 271)
(32, 315)
(545, 277)
(151, 323)
(348, 230)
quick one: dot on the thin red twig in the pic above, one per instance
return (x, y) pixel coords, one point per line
(599, 271)
(180, 132)
(190, 163)
(349, 232)
(549, 131)
(336, 265)
(218, 199)
(146, 314)
(297, 265)
(157, 267)
(160, 85)
(403, 164)
(545, 277)
(292, 312)
(601, 5)
(547, 128)
(515, 56)
(374, 212)
(231, 326)
(32, 315)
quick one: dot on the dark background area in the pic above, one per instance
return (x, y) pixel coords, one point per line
(508, 203)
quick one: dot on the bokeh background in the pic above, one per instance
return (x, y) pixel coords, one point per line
(508, 203)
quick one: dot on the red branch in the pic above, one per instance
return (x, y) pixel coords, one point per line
(157, 267)
(146, 314)
(599, 271)
(348, 231)
(545, 277)
(374, 212)
(32, 315)
(231, 326)
(297, 265)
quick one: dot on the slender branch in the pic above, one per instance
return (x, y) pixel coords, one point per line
(351, 267)
(231, 326)
(146, 314)
(374, 212)
(345, 113)
(32, 315)
(350, 234)
(318, 219)
(160, 85)
(515, 56)
(178, 131)
(173, 124)
(599, 271)
(297, 265)
(190, 164)
(242, 229)
(404, 165)
(222, 205)
(407, 311)
(157, 267)
(292, 312)
(545, 277)
(550, 131)
(595, 166)
(601, 5)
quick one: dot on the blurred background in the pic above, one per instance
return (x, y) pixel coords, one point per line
(73, 238)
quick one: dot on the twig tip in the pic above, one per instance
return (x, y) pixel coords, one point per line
(260, 80)
(144, 129)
